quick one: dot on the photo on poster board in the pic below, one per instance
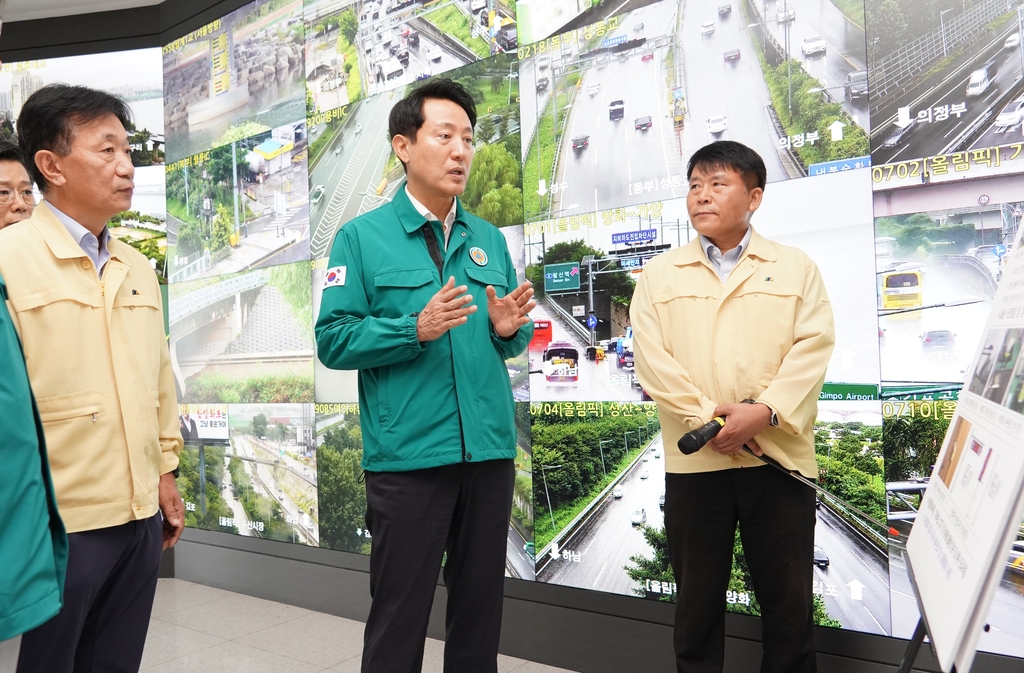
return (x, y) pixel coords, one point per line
(644, 89)
(235, 77)
(945, 85)
(940, 250)
(342, 495)
(828, 217)
(243, 338)
(914, 431)
(251, 471)
(353, 168)
(244, 205)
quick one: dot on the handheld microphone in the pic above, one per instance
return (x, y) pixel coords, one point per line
(692, 441)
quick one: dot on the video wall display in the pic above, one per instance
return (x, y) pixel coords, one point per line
(892, 138)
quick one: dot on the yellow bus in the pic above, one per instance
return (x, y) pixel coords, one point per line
(900, 289)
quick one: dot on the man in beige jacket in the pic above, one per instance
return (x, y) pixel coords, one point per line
(88, 310)
(730, 317)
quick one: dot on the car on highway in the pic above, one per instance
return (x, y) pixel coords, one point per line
(900, 134)
(317, 195)
(820, 557)
(731, 55)
(616, 109)
(646, 458)
(724, 10)
(785, 13)
(646, 57)
(337, 150)
(856, 84)
(530, 549)
(1012, 42)
(580, 143)
(638, 27)
(542, 84)
(657, 454)
(981, 79)
(433, 53)
(543, 62)
(661, 500)
(717, 125)
(359, 128)
(639, 517)
(643, 123)
(594, 89)
(815, 44)
(707, 28)
(982, 251)
(617, 492)
(1011, 115)
(645, 474)
(938, 339)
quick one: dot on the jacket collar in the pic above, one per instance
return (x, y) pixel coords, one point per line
(410, 217)
(57, 237)
(759, 247)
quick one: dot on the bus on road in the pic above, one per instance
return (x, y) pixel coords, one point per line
(900, 289)
(561, 363)
(541, 335)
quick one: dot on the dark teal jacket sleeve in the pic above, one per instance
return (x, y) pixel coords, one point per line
(515, 344)
(347, 336)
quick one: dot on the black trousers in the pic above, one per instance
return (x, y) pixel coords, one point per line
(414, 518)
(108, 598)
(776, 518)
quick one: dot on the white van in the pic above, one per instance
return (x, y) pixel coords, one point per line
(979, 82)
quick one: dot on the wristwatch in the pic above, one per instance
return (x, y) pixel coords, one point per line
(176, 472)
(775, 417)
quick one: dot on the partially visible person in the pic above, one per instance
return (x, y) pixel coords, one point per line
(33, 545)
(16, 197)
(187, 425)
(88, 309)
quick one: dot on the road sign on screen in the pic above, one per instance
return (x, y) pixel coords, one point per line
(642, 236)
(561, 277)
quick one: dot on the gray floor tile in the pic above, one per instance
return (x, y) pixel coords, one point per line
(173, 595)
(235, 616)
(534, 667)
(166, 641)
(232, 657)
(315, 638)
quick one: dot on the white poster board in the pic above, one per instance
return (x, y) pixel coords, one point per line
(971, 510)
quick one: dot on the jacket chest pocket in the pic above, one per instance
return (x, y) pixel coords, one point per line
(403, 291)
(479, 279)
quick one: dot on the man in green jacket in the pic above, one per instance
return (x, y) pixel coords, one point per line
(436, 406)
(33, 545)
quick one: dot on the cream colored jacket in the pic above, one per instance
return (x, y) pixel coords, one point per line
(766, 335)
(99, 367)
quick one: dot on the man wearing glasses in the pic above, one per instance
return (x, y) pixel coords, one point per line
(16, 197)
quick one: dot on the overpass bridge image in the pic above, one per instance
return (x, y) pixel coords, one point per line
(239, 327)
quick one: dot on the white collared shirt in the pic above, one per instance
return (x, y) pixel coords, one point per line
(723, 264)
(448, 222)
(95, 248)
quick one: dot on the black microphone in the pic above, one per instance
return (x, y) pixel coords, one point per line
(692, 441)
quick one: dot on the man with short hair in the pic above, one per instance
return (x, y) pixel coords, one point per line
(733, 317)
(436, 406)
(16, 196)
(88, 310)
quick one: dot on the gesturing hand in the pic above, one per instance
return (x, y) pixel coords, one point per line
(508, 313)
(445, 310)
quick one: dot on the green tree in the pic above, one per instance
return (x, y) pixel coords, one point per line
(259, 425)
(493, 166)
(341, 494)
(348, 24)
(502, 207)
(223, 227)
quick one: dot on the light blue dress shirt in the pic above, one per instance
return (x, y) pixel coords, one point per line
(723, 264)
(95, 248)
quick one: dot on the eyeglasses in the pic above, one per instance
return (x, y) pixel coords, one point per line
(7, 196)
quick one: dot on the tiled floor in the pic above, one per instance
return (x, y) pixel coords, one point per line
(199, 628)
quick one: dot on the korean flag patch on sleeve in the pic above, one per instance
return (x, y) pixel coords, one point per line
(335, 277)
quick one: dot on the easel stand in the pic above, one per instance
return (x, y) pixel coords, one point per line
(910, 656)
